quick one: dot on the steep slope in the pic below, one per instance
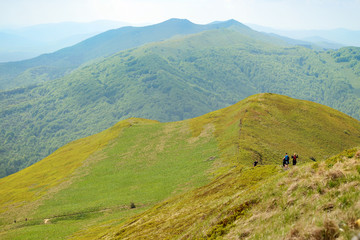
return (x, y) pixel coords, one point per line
(315, 201)
(59, 63)
(168, 81)
(93, 180)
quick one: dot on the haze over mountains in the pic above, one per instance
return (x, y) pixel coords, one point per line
(20, 43)
(200, 69)
(336, 38)
(28, 42)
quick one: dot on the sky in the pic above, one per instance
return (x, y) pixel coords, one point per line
(280, 14)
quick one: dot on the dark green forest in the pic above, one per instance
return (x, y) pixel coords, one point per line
(171, 80)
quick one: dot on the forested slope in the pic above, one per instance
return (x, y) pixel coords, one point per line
(57, 64)
(169, 81)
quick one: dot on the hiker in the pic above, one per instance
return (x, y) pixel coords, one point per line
(286, 160)
(294, 157)
(255, 163)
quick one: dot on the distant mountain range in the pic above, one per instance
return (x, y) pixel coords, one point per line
(59, 63)
(166, 80)
(332, 39)
(18, 44)
(28, 42)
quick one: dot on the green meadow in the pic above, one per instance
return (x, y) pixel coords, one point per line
(310, 201)
(145, 164)
(193, 179)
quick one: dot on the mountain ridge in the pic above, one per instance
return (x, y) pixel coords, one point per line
(54, 65)
(145, 162)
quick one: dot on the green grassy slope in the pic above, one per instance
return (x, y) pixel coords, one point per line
(89, 190)
(148, 162)
(312, 201)
(167, 81)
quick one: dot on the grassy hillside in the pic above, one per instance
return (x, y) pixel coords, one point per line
(168, 81)
(313, 201)
(85, 188)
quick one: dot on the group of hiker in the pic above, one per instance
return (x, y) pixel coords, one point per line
(286, 160)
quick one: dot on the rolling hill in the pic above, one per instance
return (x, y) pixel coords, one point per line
(171, 80)
(192, 178)
(57, 64)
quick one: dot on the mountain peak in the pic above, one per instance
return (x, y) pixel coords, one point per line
(233, 22)
(178, 20)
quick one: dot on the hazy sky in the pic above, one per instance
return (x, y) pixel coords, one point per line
(284, 14)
